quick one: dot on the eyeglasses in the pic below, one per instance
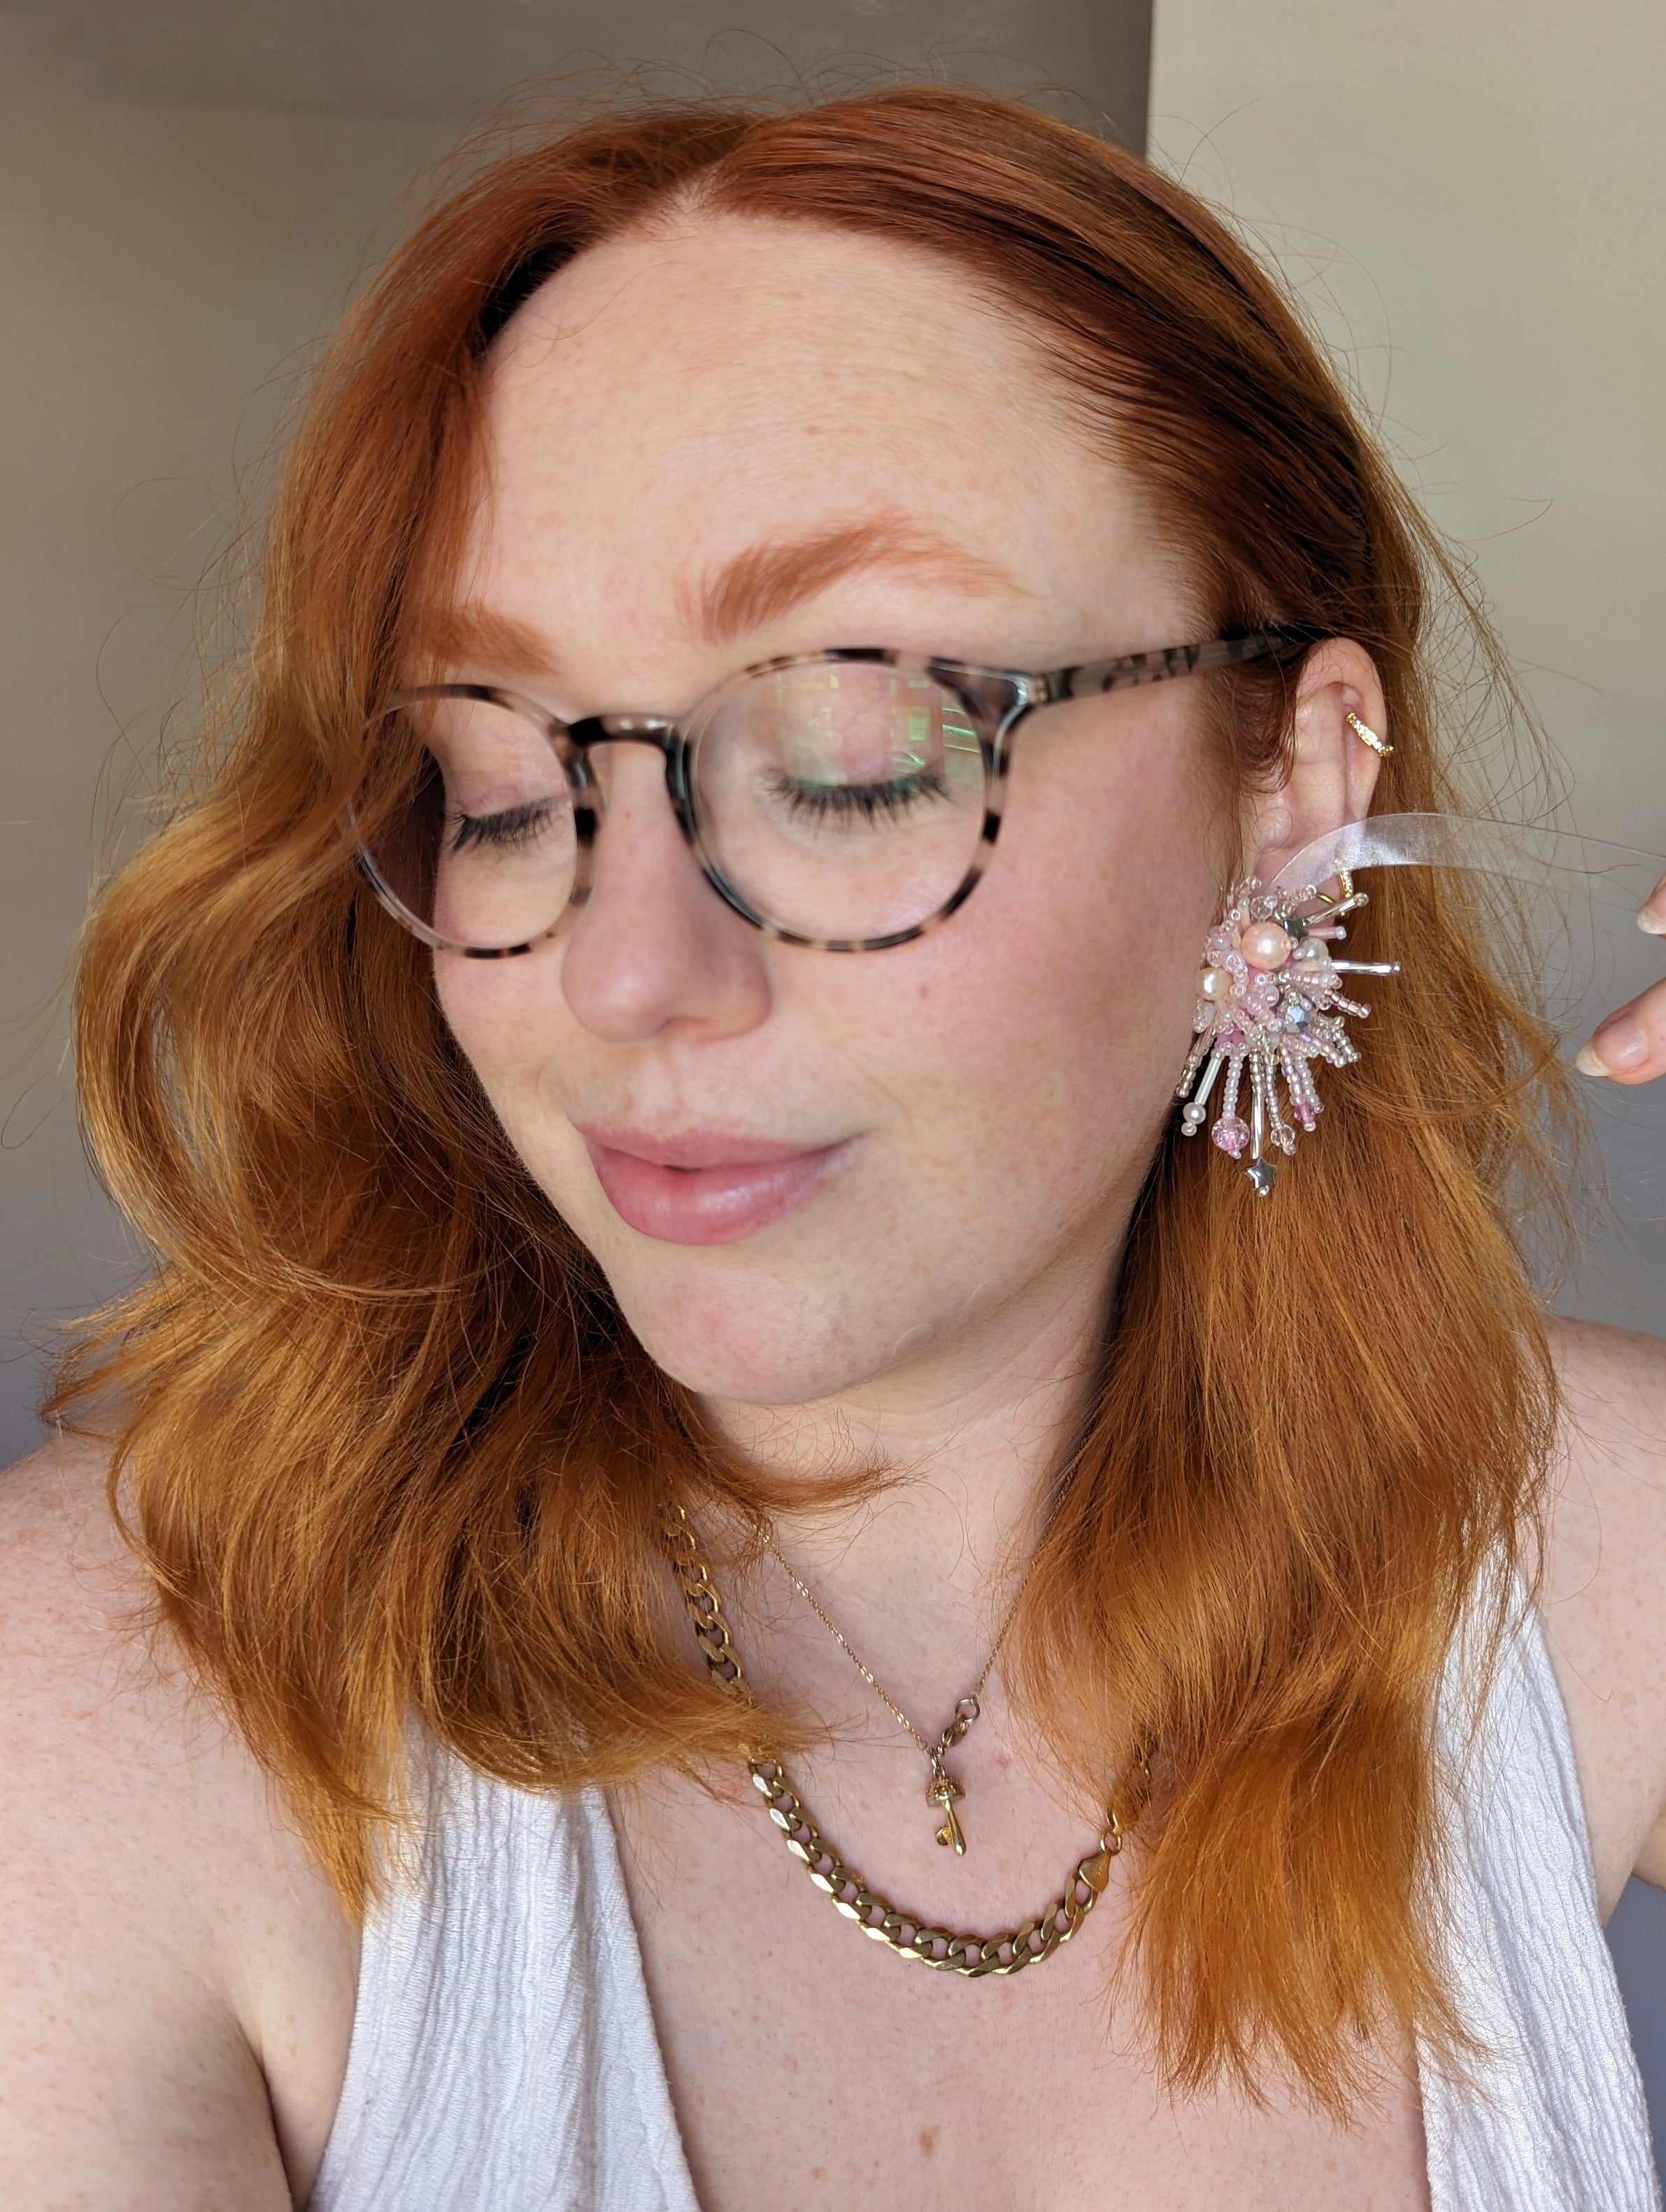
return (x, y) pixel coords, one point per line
(847, 800)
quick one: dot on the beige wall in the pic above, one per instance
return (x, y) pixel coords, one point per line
(162, 274)
(1470, 196)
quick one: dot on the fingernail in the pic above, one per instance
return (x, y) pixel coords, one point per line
(1618, 1045)
(1653, 920)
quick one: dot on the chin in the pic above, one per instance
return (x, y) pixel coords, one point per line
(757, 1340)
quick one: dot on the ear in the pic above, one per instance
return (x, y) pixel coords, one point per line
(1333, 773)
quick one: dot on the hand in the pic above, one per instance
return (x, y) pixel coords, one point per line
(1630, 1046)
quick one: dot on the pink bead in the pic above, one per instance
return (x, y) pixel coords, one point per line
(1232, 1134)
(1265, 946)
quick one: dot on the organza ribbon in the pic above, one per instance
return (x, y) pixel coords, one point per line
(1540, 857)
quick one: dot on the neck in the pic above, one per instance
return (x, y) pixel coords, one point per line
(966, 1439)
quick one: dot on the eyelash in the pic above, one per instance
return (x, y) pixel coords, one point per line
(845, 801)
(512, 827)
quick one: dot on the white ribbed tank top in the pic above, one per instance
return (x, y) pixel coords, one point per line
(504, 2058)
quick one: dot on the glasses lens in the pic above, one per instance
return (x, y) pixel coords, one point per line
(478, 846)
(842, 800)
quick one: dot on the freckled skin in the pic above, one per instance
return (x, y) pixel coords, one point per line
(984, 1059)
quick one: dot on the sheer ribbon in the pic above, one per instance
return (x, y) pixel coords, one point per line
(1546, 858)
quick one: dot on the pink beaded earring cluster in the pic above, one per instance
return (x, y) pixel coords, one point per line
(1270, 1002)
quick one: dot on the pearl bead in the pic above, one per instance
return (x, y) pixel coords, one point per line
(1311, 949)
(1213, 984)
(1265, 946)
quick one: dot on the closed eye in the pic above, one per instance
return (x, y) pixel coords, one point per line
(515, 825)
(866, 802)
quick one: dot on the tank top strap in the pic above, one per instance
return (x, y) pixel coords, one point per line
(1550, 2112)
(503, 2054)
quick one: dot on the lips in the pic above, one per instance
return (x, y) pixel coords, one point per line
(708, 1186)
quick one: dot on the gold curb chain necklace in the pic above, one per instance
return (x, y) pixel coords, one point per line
(909, 1934)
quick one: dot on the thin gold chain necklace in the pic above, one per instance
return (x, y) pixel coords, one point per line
(943, 1789)
(908, 1933)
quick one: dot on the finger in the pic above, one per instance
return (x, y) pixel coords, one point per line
(1630, 1046)
(1653, 916)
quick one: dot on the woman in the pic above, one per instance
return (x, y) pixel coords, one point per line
(649, 1064)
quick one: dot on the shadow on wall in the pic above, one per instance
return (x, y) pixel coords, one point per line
(441, 60)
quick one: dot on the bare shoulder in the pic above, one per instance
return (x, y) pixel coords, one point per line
(178, 1982)
(1605, 1588)
(73, 1605)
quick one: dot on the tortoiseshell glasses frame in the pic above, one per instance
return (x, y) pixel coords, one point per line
(994, 702)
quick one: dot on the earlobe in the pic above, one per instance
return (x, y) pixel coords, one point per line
(1339, 733)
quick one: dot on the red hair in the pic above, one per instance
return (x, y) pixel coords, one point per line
(390, 1450)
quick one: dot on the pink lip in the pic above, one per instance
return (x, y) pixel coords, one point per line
(707, 1187)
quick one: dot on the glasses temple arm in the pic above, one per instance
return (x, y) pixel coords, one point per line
(1095, 678)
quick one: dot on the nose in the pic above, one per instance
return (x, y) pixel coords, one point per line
(654, 944)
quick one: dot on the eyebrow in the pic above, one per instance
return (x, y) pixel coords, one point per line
(461, 634)
(766, 580)
(754, 586)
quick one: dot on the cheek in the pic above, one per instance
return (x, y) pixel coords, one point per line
(486, 1006)
(508, 1019)
(1075, 984)
(1034, 1051)
(1049, 1070)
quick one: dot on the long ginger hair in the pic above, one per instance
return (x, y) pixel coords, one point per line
(386, 1446)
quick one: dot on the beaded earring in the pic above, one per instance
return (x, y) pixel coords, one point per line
(1270, 1000)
